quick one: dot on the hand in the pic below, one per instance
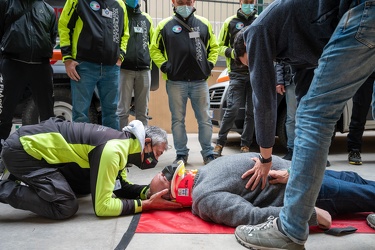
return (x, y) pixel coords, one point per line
(280, 89)
(156, 202)
(324, 218)
(259, 172)
(278, 176)
(119, 62)
(70, 67)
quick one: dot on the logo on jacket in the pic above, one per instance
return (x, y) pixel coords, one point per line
(177, 29)
(240, 25)
(95, 6)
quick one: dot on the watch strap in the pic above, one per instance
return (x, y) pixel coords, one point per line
(263, 160)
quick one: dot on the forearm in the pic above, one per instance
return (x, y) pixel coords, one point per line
(266, 152)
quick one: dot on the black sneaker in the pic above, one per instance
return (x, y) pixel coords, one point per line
(289, 155)
(354, 157)
(184, 158)
(208, 159)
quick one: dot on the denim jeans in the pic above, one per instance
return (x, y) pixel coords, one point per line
(345, 192)
(239, 95)
(105, 78)
(347, 61)
(361, 104)
(137, 82)
(291, 107)
(178, 94)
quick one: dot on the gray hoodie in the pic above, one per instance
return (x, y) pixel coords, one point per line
(219, 193)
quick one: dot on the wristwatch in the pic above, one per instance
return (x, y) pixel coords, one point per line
(262, 160)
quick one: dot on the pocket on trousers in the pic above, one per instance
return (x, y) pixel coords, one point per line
(50, 185)
(366, 29)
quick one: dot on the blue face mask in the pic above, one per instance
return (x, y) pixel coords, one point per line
(247, 8)
(132, 3)
(184, 10)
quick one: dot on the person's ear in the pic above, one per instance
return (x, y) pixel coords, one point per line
(147, 140)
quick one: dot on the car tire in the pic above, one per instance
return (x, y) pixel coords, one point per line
(281, 129)
(62, 108)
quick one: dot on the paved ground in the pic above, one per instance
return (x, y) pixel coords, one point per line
(24, 230)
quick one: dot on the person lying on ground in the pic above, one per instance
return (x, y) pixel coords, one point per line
(218, 193)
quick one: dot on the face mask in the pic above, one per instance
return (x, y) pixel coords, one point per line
(247, 8)
(132, 3)
(135, 159)
(184, 10)
(149, 161)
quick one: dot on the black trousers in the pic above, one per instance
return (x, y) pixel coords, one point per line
(302, 79)
(361, 105)
(47, 192)
(17, 78)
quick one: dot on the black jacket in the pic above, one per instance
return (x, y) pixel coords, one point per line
(140, 30)
(93, 31)
(28, 30)
(181, 57)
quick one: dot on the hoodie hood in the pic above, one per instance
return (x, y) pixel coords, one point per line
(138, 130)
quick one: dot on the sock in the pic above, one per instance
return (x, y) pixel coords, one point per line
(278, 221)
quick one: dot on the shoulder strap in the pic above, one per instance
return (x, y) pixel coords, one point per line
(25, 11)
(183, 24)
(189, 29)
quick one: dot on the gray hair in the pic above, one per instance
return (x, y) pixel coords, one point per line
(158, 136)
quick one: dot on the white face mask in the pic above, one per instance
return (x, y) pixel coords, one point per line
(184, 10)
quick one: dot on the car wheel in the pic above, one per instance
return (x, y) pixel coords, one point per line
(62, 108)
(281, 129)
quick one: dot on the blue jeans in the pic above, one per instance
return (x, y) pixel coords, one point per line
(346, 192)
(291, 107)
(239, 94)
(178, 94)
(106, 79)
(347, 61)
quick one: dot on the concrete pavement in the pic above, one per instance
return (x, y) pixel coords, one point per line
(24, 230)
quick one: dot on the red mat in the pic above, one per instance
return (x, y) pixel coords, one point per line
(184, 222)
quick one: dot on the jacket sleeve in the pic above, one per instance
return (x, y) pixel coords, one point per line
(150, 34)
(279, 68)
(130, 190)
(66, 27)
(260, 43)
(109, 160)
(157, 48)
(224, 40)
(53, 30)
(2, 18)
(125, 35)
(213, 46)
